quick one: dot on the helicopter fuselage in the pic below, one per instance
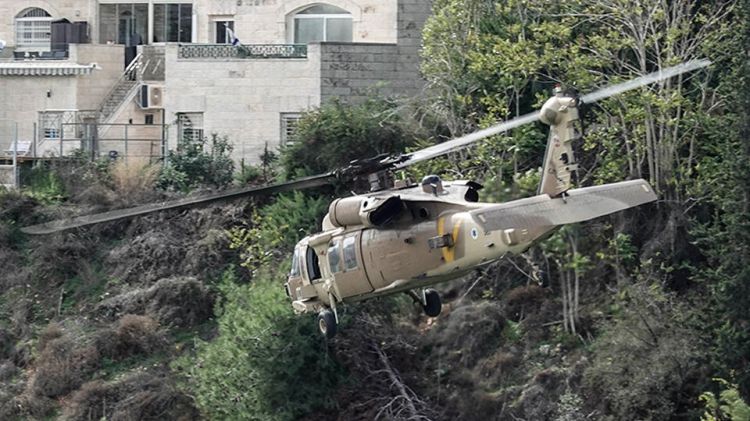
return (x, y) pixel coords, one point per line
(432, 237)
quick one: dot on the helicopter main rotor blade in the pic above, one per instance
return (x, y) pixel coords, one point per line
(80, 221)
(465, 141)
(645, 80)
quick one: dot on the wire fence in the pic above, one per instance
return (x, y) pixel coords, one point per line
(8, 153)
(27, 143)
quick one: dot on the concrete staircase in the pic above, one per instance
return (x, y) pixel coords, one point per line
(123, 90)
(117, 96)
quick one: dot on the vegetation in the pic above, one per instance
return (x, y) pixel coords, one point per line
(198, 162)
(635, 316)
(266, 362)
(337, 133)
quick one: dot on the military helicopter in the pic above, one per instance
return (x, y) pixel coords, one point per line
(405, 237)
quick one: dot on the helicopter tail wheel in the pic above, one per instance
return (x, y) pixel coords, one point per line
(327, 323)
(432, 304)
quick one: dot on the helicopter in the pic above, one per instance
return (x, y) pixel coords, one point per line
(403, 237)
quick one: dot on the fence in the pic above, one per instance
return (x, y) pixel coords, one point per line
(60, 138)
(9, 151)
(138, 142)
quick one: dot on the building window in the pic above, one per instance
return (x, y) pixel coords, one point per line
(334, 259)
(350, 253)
(124, 23)
(190, 126)
(51, 124)
(223, 30)
(322, 23)
(173, 22)
(148, 119)
(289, 122)
(33, 27)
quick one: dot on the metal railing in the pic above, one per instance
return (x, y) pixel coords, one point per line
(122, 88)
(125, 141)
(253, 51)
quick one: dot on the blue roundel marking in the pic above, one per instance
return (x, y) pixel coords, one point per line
(474, 233)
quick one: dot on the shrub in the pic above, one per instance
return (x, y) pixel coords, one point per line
(137, 335)
(62, 367)
(644, 358)
(191, 165)
(140, 396)
(266, 362)
(338, 133)
(174, 301)
(729, 406)
(278, 227)
(133, 178)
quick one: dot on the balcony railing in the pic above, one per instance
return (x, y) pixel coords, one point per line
(253, 51)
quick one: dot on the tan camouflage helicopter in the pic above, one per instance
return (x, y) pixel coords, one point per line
(401, 237)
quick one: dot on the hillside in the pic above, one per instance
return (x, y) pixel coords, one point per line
(640, 315)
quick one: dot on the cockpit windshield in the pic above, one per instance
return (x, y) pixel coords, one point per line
(295, 264)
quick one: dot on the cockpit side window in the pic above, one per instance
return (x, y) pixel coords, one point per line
(350, 253)
(334, 258)
(295, 263)
(313, 269)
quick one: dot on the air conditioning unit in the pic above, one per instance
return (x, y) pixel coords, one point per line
(152, 96)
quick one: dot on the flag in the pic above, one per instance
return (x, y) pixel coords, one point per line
(230, 35)
(2, 44)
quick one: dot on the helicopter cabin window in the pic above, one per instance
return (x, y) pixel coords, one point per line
(295, 264)
(350, 253)
(334, 258)
(313, 268)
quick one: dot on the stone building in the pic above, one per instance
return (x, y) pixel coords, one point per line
(149, 71)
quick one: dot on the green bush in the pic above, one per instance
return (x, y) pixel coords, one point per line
(729, 406)
(266, 363)
(198, 163)
(337, 133)
(276, 228)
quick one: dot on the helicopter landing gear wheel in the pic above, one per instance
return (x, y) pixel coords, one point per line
(432, 304)
(327, 323)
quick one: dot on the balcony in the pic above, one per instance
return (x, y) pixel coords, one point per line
(253, 51)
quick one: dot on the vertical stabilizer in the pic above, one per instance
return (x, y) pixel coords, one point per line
(561, 114)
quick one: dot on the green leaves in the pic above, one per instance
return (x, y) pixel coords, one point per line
(266, 363)
(337, 133)
(198, 162)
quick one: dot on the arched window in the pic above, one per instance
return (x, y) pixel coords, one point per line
(33, 30)
(322, 22)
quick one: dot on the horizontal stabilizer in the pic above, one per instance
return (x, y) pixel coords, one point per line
(578, 205)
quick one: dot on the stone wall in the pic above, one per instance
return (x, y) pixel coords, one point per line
(92, 89)
(351, 72)
(241, 98)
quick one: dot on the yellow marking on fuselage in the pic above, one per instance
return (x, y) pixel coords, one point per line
(449, 253)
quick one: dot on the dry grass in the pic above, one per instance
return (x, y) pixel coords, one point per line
(172, 302)
(138, 335)
(62, 367)
(131, 335)
(141, 396)
(133, 178)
